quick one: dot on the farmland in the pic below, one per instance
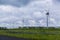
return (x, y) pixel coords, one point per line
(33, 33)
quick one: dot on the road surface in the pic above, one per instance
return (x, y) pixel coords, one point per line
(11, 38)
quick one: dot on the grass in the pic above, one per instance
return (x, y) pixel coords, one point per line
(33, 33)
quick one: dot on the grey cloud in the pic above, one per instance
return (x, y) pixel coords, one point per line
(56, 2)
(16, 3)
(28, 12)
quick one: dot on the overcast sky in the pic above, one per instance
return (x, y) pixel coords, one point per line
(14, 13)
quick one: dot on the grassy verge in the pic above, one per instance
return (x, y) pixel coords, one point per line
(37, 34)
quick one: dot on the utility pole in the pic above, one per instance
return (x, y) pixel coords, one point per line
(47, 14)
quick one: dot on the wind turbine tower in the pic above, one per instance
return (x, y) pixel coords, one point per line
(47, 24)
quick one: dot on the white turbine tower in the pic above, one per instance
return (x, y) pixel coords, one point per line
(49, 6)
(47, 21)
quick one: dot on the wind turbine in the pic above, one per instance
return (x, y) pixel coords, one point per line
(47, 17)
(23, 21)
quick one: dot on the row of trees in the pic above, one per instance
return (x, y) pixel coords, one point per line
(3, 28)
(37, 27)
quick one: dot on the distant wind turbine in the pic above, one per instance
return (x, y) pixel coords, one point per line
(47, 14)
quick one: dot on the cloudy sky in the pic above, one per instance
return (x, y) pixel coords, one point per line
(14, 13)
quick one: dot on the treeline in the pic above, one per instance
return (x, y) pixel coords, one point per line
(37, 28)
(3, 28)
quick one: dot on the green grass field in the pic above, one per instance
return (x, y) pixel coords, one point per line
(33, 33)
